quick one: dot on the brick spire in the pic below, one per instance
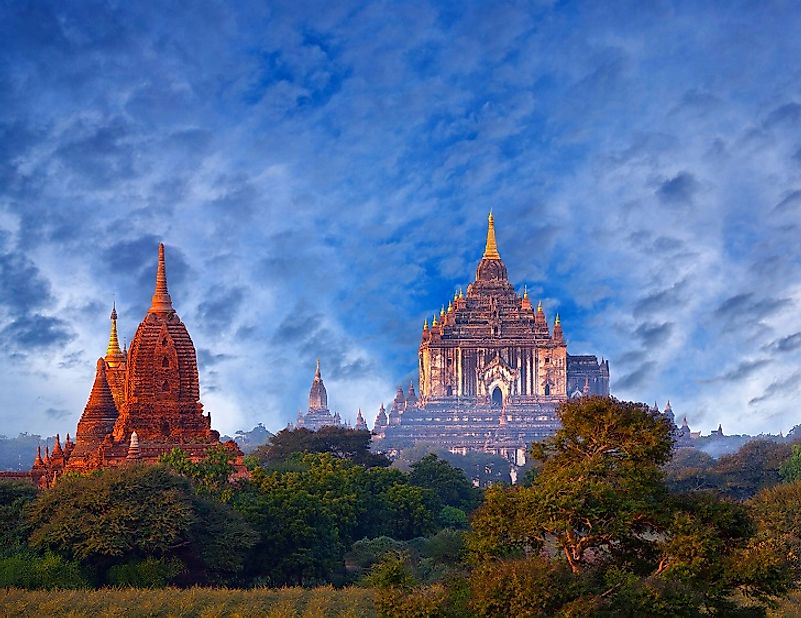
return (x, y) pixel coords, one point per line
(491, 249)
(161, 303)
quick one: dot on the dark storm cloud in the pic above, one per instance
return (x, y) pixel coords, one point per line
(779, 388)
(741, 371)
(23, 288)
(219, 308)
(636, 378)
(652, 334)
(661, 300)
(749, 306)
(681, 188)
(789, 203)
(207, 358)
(785, 344)
(36, 332)
(57, 413)
(788, 115)
(303, 330)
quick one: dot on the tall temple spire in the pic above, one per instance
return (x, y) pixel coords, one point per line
(161, 303)
(317, 370)
(491, 249)
(113, 352)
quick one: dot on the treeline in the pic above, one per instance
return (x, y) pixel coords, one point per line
(611, 521)
(291, 523)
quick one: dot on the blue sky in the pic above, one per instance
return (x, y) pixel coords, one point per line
(321, 174)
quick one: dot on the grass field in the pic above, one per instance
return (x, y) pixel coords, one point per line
(200, 602)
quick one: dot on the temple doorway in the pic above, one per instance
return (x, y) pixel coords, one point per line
(497, 398)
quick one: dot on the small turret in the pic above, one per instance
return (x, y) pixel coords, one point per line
(57, 450)
(133, 448)
(38, 463)
(411, 396)
(381, 418)
(526, 302)
(558, 336)
(361, 424)
(47, 456)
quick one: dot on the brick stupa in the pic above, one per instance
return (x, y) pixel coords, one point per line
(144, 402)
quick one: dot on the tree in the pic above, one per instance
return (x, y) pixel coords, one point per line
(14, 498)
(600, 490)
(137, 512)
(753, 468)
(449, 484)
(340, 442)
(691, 469)
(210, 476)
(790, 470)
(600, 504)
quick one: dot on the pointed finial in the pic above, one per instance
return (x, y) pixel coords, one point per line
(450, 307)
(491, 248)
(434, 320)
(317, 370)
(425, 325)
(525, 292)
(557, 322)
(539, 306)
(442, 311)
(461, 293)
(113, 352)
(161, 303)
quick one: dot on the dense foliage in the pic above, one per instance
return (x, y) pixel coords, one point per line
(339, 442)
(610, 521)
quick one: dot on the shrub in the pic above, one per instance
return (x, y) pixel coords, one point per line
(147, 573)
(27, 570)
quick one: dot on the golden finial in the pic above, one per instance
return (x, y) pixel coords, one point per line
(557, 322)
(450, 307)
(434, 320)
(539, 306)
(491, 249)
(442, 311)
(461, 293)
(162, 303)
(525, 292)
(425, 325)
(113, 352)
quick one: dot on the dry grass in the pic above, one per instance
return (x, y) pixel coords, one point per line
(789, 608)
(201, 602)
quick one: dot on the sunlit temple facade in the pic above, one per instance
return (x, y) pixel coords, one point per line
(492, 372)
(144, 402)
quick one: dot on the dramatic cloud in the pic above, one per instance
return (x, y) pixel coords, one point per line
(321, 174)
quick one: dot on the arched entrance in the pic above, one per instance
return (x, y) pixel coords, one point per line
(497, 398)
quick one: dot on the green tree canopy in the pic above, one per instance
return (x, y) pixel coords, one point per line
(449, 484)
(340, 442)
(137, 512)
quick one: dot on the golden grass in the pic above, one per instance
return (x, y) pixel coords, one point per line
(201, 602)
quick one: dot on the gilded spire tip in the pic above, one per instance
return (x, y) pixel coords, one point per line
(491, 248)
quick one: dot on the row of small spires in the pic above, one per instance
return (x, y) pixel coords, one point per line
(59, 453)
(460, 295)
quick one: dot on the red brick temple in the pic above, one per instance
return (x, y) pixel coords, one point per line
(144, 401)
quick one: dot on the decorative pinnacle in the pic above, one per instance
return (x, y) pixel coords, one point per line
(425, 324)
(491, 249)
(525, 292)
(161, 303)
(539, 306)
(442, 311)
(317, 370)
(113, 352)
(450, 307)
(557, 322)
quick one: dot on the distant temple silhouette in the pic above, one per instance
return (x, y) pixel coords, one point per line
(491, 372)
(144, 402)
